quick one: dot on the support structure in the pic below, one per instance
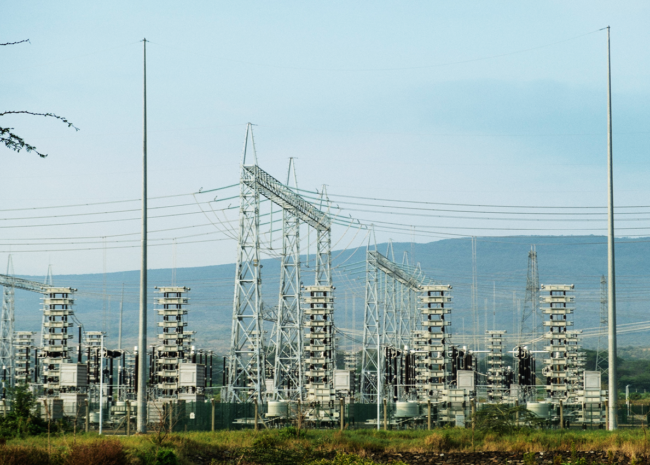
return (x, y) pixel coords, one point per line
(7, 328)
(601, 362)
(23, 350)
(530, 316)
(246, 378)
(557, 302)
(611, 273)
(288, 370)
(431, 342)
(496, 371)
(175, 340)
(319, 347)
(57, 312)
(380, 329)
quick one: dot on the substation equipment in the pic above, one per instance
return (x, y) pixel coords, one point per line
(65, 375)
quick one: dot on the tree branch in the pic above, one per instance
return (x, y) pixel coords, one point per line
(50, 115)
(16, 143)
(14, 43)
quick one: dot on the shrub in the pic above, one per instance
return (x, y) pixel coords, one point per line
(166, 457)
(289, 432)
(102, 452)
(439, 442)
(266, 440)
(21, 455)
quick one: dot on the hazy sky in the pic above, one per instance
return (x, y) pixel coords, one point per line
(461, 102)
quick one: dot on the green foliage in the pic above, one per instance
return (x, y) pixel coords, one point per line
(267, 440)
(503, 419)
(21, 421)
(16, 143)
(289, 432)
(166, 457)
(529, 458)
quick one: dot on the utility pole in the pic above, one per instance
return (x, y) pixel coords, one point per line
(101, 384)
(142, 330)
(119, 332)
(611, 276)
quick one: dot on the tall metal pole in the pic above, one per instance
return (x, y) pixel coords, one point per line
(611, 280)
(119, 333)
(101, 383)
(142, 330)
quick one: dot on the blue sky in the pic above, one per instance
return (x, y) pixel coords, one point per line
(460, 102)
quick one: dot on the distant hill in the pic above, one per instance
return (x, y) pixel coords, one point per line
(501, 269)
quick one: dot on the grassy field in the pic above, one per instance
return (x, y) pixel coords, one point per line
(313, 446)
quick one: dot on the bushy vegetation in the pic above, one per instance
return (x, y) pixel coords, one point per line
(23, 420)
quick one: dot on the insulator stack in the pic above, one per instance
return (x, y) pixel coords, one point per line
(57, 318)
(557, 302)
(430, 354)
(497, 376)
(23, 344)
(176, 342)
(318, 308)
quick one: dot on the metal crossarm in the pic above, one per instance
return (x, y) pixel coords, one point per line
(23, 284)
(283, 196)
(413, 281)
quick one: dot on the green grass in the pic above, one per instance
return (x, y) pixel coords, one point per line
(319, 446)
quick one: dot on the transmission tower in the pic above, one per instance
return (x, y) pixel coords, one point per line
(246, 358)
(7, 327)
(530, 316)
(389, 335)
(247, 361)
(601, 348)
(288, 369)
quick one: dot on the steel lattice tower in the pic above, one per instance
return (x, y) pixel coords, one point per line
(530, 317)
(246, 366)
(370, 354)
(380, 331)
(7, 327)
(289, 368)
(246, 358)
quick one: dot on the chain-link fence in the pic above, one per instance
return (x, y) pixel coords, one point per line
(180, 416)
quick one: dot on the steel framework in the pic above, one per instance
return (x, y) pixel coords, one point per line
(246, 363)
(380, 331)
(288, 370)
(530, 314)
(7, 327)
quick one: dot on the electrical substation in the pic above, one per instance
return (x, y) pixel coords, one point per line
(293, 358)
